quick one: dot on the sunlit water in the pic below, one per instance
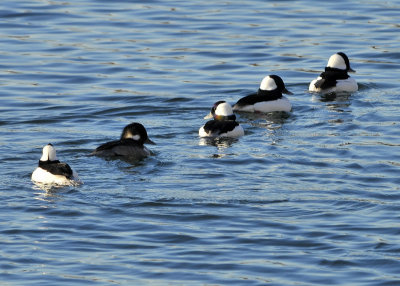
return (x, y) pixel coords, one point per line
(306, 198)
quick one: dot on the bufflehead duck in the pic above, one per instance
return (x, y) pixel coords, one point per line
(335, 77)
(129, 146)
(269, 97)
(52, 171)
(223, 124)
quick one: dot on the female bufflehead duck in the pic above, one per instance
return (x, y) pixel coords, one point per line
(335, 77)
(223, 124)
(52, 171)
(269, 97)
(129, 146)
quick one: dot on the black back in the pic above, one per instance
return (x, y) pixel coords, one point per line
(261, 95)
(56, 168)
(330, 77)
(264, 95)
(217, 127)
(123, 142)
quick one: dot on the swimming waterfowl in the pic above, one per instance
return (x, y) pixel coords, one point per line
(51, 171)
(335, 78)
(129, 146)
(223, 124)
(269, 97)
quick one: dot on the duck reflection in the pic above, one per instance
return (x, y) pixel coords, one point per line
(270, 121)
(221, 143)
(339, 102)
(275, 117)
(49, 193)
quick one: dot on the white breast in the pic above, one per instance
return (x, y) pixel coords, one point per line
(342, 85)
(237, 132)
(43, 177)
(312, 85)
(203, 133)
(281, 104)
(346, 85)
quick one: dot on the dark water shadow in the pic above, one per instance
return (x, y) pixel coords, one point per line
(222, 144)
(276, 115)
(219, 142)
(271, 120)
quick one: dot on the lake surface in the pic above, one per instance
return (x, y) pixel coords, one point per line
(306, 198)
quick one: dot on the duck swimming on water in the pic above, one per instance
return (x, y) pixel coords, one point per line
(51, 171)
(269, 97)
(335, 78)
(223, 123)
(129, 146)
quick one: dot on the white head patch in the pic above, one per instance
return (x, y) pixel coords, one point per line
(128, 135)
(136, 137)
(336, 61)
(49, 153)
(268, 83)
(224, 109)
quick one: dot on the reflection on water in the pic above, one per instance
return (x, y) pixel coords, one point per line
(50, 193)
(221, 143)
(337, 97)
(272, 122)
(274, 117)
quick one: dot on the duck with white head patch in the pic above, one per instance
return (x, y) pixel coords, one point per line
(223, 124)
(335, 78)
(129, 146)
(52, 171)
(269, 97)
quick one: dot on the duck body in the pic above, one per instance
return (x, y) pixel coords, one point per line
(268, 98)
(122, 148)
(348, 85)
(129, 146)
(223, 124)
(51, 171)
(217, 128)
(335, 78)
(260, 103)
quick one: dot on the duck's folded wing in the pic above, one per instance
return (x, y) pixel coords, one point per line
(248, 100)
(107, 146)
(319, 82)
(124, 147)
(215, 127)
(62, 169)
(130, 150)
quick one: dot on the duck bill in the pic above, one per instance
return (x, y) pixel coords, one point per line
(208, 116)
(148, 141)
(285, 91)
(351, 70)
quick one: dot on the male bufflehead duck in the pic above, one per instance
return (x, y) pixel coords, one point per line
(52, 171)
(129, 146)
(223, 124)
(335, 77)
(269, 97)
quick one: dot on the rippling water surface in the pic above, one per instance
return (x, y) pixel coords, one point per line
(307, 198)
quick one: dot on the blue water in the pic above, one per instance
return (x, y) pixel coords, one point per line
(310, 198)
